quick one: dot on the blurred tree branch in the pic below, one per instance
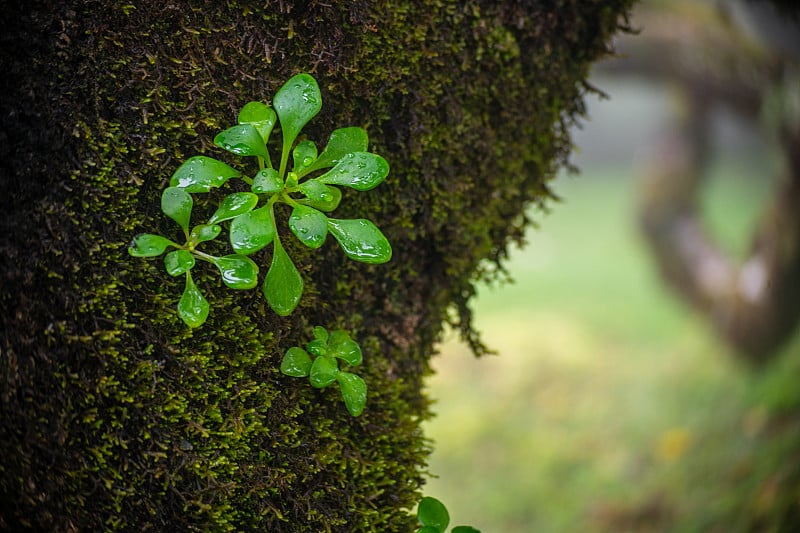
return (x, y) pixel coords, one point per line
(745, 56)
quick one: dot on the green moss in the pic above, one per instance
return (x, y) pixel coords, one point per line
(117, 417)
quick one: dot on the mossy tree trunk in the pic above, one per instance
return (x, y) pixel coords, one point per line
(114, 415)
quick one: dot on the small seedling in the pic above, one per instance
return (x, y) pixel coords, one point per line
(433, 516)
(308, 189)
(320, 362)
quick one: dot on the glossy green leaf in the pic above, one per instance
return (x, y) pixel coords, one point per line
(267, 181)
(361, 240)
(431, 512)
(320, 196)
(318, 347)
(192, 308)
(260, 116)
(429, 529)
(464, 529)
(233, 205)
(354, 392)
(149, 245)
(177, 204)
(204, 232)
(345, 348)
(303, 155)
(297, 102)
(296, 362)
(178, 262)
(341, 142)
(309, 225)
(201, 174)
(252, 231)
(321, 333)
(291, 180)
(238, 271)
(360, 170)
(242, 139)
(283, 285)
(323, 372)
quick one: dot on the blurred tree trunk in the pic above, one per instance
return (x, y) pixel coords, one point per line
(710, 60)
(115, 416)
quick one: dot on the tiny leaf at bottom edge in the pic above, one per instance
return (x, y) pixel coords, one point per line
(432, 512)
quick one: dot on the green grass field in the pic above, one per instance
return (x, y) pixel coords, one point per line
(611, 406)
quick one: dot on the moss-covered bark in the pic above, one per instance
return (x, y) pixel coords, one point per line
(114, 414)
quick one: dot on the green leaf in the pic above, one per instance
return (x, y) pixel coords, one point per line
(303, 155)
(267, 181)
(323, 371)
(242, 139)
(204, 232)
(238, 271)
(429, 529)
(354, 392)
(431, 512)
(297, 102)
(320, 196)
(177, 204)
(201, 174)
(149, 245)
(345, 348)
(252, 231)
(296, 362)
(233, 205)
(283, 285)
(321, 333)
(360, 170)
(464, 529)
(361, 240)
(309, 225)
(260, 116)
(318, 347)
(178, 262)
(341, 142)
(193, 308)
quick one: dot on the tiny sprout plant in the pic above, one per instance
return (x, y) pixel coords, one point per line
(433, 516)
(320, 362)
(309, 188)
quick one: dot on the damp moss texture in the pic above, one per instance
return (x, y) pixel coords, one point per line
(113, 414)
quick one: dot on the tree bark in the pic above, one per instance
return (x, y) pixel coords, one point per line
(113, 414)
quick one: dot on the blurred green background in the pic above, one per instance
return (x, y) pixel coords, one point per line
(611, 406)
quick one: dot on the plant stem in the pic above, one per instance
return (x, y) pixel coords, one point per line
(205, 257)
(284, 160)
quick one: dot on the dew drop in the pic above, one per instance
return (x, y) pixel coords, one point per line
(308, 96)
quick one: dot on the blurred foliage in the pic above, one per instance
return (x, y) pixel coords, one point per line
(612, 408)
